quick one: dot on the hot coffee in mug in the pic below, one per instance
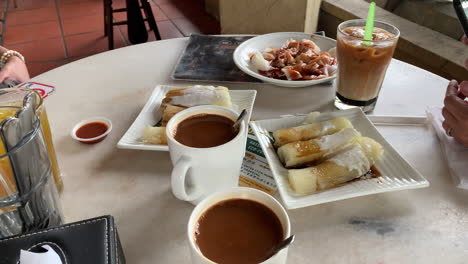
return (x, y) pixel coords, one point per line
(239, 225)
(206, 153)
(247, 239)
(205, 131)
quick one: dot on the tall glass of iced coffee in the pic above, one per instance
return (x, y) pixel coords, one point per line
(362, 64)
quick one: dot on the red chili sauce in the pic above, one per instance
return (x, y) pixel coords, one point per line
(92, 130)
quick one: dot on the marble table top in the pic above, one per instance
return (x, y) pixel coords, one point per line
(427, 225)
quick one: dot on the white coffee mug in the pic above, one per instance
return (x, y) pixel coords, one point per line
(199, 172)
(239, 193)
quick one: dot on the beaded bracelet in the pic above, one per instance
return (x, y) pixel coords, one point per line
(8, 54)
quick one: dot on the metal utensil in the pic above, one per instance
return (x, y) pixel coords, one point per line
(278, 247)
(240, 119)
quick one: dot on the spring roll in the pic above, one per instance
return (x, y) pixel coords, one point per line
(310, 131)
(154, 136)
(169, 112)
(198, 95)
(300, 153)
(345, 166)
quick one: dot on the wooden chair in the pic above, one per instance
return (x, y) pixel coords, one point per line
(109, 20)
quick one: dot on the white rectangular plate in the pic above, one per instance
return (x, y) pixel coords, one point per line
(151, 114)
(397, 174)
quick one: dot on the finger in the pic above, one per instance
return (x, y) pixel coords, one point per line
(458, 135)
(464, 39)
(452, 88)
(464, 88)
(450, 123)
(447, 127)
(450, 119)
(457, 106)
(462, 140)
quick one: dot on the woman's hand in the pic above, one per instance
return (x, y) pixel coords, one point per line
(15, 69)
(455, 111)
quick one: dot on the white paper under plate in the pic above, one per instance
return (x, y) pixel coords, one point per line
(397, 174)
(151, 114)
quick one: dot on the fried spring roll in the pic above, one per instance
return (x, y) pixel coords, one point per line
(299, 153)
(154, 136)
(169, 112)
(345, 166)
(310, 131)
(198, 95)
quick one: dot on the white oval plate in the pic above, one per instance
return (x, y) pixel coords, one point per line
(276, 40)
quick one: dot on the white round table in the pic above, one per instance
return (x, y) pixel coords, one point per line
(416, 226)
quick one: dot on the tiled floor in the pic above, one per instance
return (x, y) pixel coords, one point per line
(51, 33)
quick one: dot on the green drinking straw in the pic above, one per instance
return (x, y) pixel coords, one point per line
(369, 24)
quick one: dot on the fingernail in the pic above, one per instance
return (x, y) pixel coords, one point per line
(453, 82)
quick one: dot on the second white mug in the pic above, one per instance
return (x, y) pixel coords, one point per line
(199, 172)
(237, 193)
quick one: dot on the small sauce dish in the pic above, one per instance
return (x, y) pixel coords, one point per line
(92, 130)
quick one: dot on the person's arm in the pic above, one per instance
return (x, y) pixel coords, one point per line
(14, 69)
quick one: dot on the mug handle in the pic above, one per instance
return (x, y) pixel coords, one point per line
(178, 176)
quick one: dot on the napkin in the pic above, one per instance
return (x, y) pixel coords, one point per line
(49, 257)
(455, 154)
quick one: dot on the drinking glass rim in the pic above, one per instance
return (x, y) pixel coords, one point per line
(396, 36)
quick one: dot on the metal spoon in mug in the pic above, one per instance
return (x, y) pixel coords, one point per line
(278, 247)
(236, 125)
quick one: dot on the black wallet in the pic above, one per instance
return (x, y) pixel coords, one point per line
(92, 241)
